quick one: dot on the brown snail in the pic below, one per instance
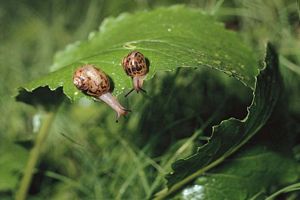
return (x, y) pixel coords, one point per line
(136, 67)
(95, 82)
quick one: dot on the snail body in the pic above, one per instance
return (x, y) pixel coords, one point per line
(94, 82)
(135, 66)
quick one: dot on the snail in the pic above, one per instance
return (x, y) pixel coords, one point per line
(95, 83)
(136, 67)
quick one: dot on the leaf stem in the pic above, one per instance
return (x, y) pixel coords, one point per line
(34, 156)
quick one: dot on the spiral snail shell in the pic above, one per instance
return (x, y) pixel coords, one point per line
(95, 82)
(135, 66)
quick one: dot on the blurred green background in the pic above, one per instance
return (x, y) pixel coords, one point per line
(88, 156)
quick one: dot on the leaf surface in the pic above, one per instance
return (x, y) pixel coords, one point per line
(231, 134)
(248, 176)
(168, 37)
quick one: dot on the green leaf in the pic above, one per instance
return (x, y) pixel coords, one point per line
(231, 134)
(169, 38)
(248, 176)
(12, 161)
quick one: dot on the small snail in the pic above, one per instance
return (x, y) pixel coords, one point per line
(94, 82)
(135, 66)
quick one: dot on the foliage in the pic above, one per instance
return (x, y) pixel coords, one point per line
(10, 165)
(256, 169)
(169, 44)
(231, 134)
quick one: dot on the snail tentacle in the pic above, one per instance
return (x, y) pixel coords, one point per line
(114, 104)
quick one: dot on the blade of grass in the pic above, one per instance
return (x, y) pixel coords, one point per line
(290, 188)
(288, 64)
(34, 155)
(67, 180)
(184, 146)
(137, 161)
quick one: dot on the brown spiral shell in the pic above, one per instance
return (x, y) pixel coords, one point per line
(91, 80)
(134, 64)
